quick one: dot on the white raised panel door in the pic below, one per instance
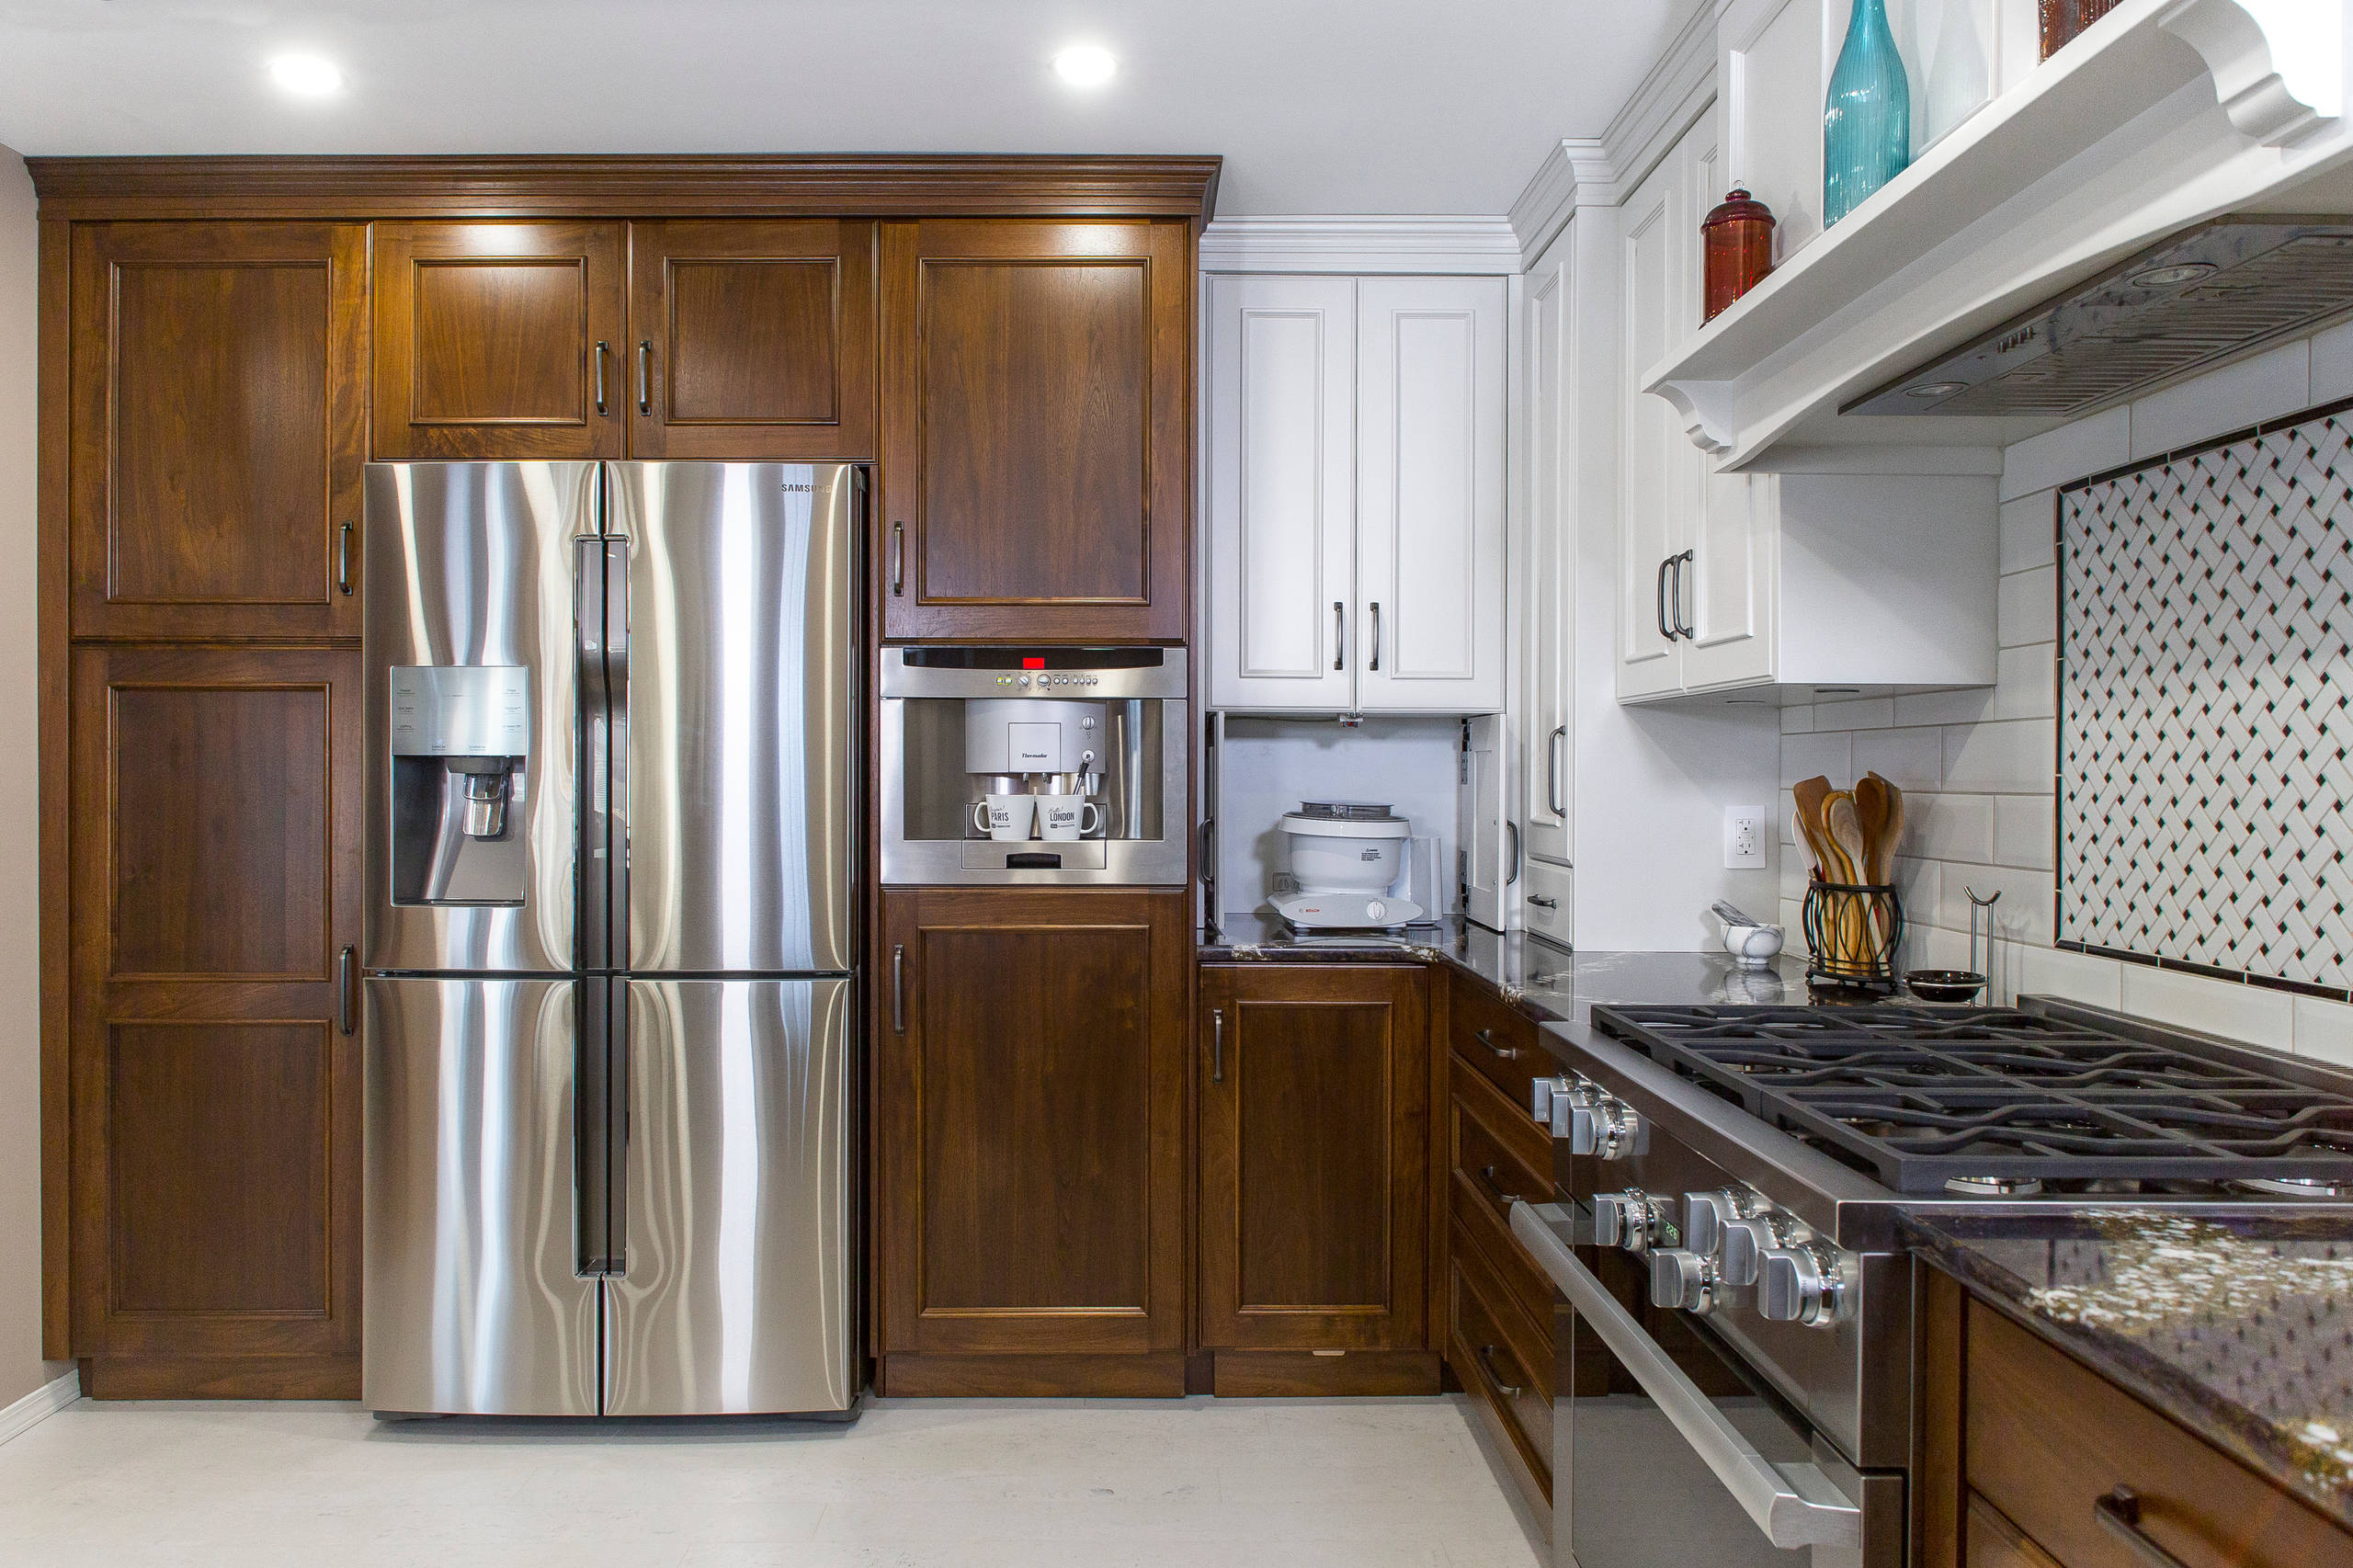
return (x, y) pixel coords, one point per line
(1650, 466)
(1282, 493)
(1547, 360)
(1430, 494)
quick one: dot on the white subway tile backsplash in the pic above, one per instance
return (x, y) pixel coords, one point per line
(1917, 885)
(2027, 684)
(2324, 1030)
(2013, 756)
(1802, 756)
(2026, 610)
(2088, 446)
(1963, 707)
(2024, 830)
(2023, 914)
(2333, 364)
(2030, 531)
(1949, 827)
(1797, 719)
(2274, 382)
(2048, 971)
(1910, 759)
(1860, 713)
(2213, 1007)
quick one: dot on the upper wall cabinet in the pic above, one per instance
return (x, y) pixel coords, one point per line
(751, 338)
(1355, 511)
(1037, 383)
(500, 340)
(219, 405)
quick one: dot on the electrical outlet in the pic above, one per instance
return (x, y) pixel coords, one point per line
(1743, 839)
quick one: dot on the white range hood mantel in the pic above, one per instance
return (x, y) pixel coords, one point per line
(2163, 114)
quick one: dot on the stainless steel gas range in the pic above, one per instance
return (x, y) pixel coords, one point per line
(1734, 1356)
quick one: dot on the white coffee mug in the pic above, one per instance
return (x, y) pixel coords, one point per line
(1004, 816)
(1064, 817)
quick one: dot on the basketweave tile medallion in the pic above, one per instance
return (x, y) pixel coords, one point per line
(2205, 609)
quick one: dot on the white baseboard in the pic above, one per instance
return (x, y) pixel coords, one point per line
(39, 1405)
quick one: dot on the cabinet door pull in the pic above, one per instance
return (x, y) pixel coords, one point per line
(1487, 1365)
(1553, 771)
(2119, 1514)
(646, 375)
(898, 560)
(343, 557)
(1658, 599)
(1683, 628)
(346, 990)
(1543, 903)
(899, 990)
(1513, 829)
(1487, 1039)
(604, 352)
(1217, 1045)
(1503, 1200)
(1339, 635)
(1376, 635)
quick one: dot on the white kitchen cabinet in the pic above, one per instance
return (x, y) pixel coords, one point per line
(1355, 495)
(1547, 547)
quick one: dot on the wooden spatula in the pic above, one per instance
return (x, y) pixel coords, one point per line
(1809, 797)
(1870, 814)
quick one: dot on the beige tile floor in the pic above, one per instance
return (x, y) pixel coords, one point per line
(1236, 1483)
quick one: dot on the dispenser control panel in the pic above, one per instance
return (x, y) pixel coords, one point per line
(462, 710)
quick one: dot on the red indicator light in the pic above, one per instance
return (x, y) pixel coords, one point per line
(1033, 664)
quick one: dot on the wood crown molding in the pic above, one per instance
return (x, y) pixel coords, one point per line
(845, 185)
(1361, 245)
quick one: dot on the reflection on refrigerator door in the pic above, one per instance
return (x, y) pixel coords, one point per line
(472, 1305)
(736, 1297)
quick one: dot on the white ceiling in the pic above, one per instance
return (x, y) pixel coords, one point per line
(1318, 106)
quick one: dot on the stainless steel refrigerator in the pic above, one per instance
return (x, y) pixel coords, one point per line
(610, 954)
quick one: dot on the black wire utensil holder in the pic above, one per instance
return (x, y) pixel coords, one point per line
(1853, 933)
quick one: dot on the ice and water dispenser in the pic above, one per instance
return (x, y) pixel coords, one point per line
(460, 748)
(1010, 765)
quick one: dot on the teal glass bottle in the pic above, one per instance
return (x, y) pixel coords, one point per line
(1867, 125)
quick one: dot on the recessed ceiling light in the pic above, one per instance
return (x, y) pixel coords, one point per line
(2166, 277)
(306, 75)
(1086, 66)
(1935, 388)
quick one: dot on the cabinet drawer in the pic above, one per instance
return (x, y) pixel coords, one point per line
(1544, 903)
(2046, 1438)
(1497, 1040)
(1504, 1361)
(1478, 1122)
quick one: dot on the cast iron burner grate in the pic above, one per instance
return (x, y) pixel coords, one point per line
(1923, 1095)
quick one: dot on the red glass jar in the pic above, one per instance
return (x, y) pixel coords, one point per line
(1737, 239)
(2063, 19)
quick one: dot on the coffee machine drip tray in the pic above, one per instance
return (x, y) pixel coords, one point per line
(1036, 855)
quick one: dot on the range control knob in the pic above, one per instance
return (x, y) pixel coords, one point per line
(1632, 1220)
(1744, 1242)
(1603, 1127)
(1798, 1284)
(1705, 1214)
(1682, 1280)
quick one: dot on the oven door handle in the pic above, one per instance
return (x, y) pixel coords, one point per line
(1794, 1505)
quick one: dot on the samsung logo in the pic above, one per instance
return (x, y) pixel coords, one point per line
(793, 489)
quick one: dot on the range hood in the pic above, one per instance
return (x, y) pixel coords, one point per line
(2207, 294)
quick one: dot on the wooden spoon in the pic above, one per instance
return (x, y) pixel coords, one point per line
(1870, 814)
(1847, 833)
(1892, 834)
(1810, 796)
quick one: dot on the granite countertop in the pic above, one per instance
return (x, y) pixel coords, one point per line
(2239, 1328)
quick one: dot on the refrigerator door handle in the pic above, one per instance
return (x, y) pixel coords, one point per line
(601, 1135)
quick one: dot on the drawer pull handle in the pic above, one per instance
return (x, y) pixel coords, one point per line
(1544, 903)
(1487, 1365)
(1217, 1045)
(1502, 1199)
(1487, 1039)
(2119, 1514)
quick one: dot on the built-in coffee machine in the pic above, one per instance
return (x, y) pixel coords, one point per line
(1028, 765)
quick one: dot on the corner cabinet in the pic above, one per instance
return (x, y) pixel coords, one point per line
(1831, 569)
(1357, 488)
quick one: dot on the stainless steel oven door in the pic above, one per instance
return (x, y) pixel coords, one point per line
(1669, 1456)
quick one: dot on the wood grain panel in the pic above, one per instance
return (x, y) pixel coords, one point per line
(1030, 1377)
(219, 1142)
(752, 340)
(486, 340)
(1314, 1157)
(1303, 1374)
(219, 402)
(1037, 419)
(54, 618)
(1029, 1123)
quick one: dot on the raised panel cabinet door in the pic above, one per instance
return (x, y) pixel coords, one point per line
(751, 338)
(1430, 484)
(213, 1048)
(500, 340)
(1547, 606)
(1313, 1085)
(1028, 1122)
(1650, 527)
(1281, 530)
(218, 397)
(1036, 435)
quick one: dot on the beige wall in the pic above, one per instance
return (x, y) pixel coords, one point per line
(21, 1370)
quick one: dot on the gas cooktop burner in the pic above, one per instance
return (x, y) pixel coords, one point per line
(1991, 1101)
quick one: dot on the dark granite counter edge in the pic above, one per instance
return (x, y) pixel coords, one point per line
(1438, 945)
(2238, 1431)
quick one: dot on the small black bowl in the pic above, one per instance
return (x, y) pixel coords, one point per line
(1944, 984)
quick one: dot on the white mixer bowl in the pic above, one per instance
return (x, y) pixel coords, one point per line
(1345, 857)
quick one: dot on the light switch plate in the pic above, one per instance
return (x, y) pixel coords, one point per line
(1744, 838)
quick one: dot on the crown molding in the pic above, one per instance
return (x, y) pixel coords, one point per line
(844, 184)
(1575, 170)
(1361, 245)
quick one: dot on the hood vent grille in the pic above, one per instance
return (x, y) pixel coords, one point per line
(2204, 295)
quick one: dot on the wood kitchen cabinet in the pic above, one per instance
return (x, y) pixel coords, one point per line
(218, 393)
(1314, 1091)
(1356, 503)
(1036, 434)
(214, 1075)
(1028, 1134)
